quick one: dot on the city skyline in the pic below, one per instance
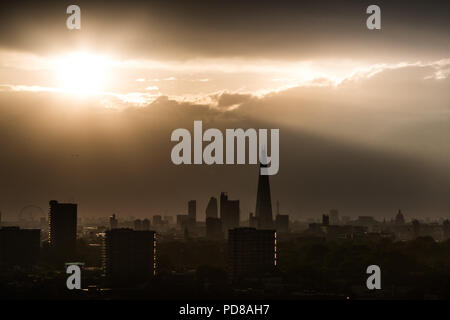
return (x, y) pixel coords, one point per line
(224, 159)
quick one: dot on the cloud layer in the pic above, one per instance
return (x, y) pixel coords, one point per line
(368, 146)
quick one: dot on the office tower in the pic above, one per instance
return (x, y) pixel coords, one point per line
(229, 213)
(62, 234)
(129, 256)
(334, 217)
(157, 220)
(146, 224)
(138, 224)
(192, 212)
(325, 220)
(182, 220)
(282, 223)
(214, 228)
(211, 208)
(0, 218)
(251, 252)
(19, 247)
(263, 210)
(113, 223)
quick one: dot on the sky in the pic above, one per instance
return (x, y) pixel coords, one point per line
(86, 115)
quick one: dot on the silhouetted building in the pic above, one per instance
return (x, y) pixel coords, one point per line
(365, 221)
(192, 212)
(334, 217)
(282, 223)
(62, 234)
(113, 223)
(182, 220)
(252, 221)
(251, 252)
(335, 232)
(19, 247)
(229, 212)
(138, 225)
(129, 256)
(211, 208)
(263, 210)
(157, 220)
(325, 220)
(214, 228)
(399, 218)
(415, 228)
(146, 224)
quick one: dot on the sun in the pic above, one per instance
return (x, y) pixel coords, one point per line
(82, 73)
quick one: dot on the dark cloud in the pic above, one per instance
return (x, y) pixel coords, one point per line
(181, 30)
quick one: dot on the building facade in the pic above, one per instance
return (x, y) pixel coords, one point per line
(263, 212)
(129, 256)
(251, 252)
(62, 235)
(229, 212)
(211, 208)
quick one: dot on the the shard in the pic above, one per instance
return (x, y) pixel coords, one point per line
(263, 210)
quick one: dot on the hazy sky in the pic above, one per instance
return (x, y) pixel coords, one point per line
(86, 115)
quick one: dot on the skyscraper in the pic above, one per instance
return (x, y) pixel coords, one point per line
(129, 256)
(211, 208)
(182, 220)
(263, 210)
(229, 212)
(157, 220)
(113, 222)
(62, 235)
(251, 252)
(192, 212)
